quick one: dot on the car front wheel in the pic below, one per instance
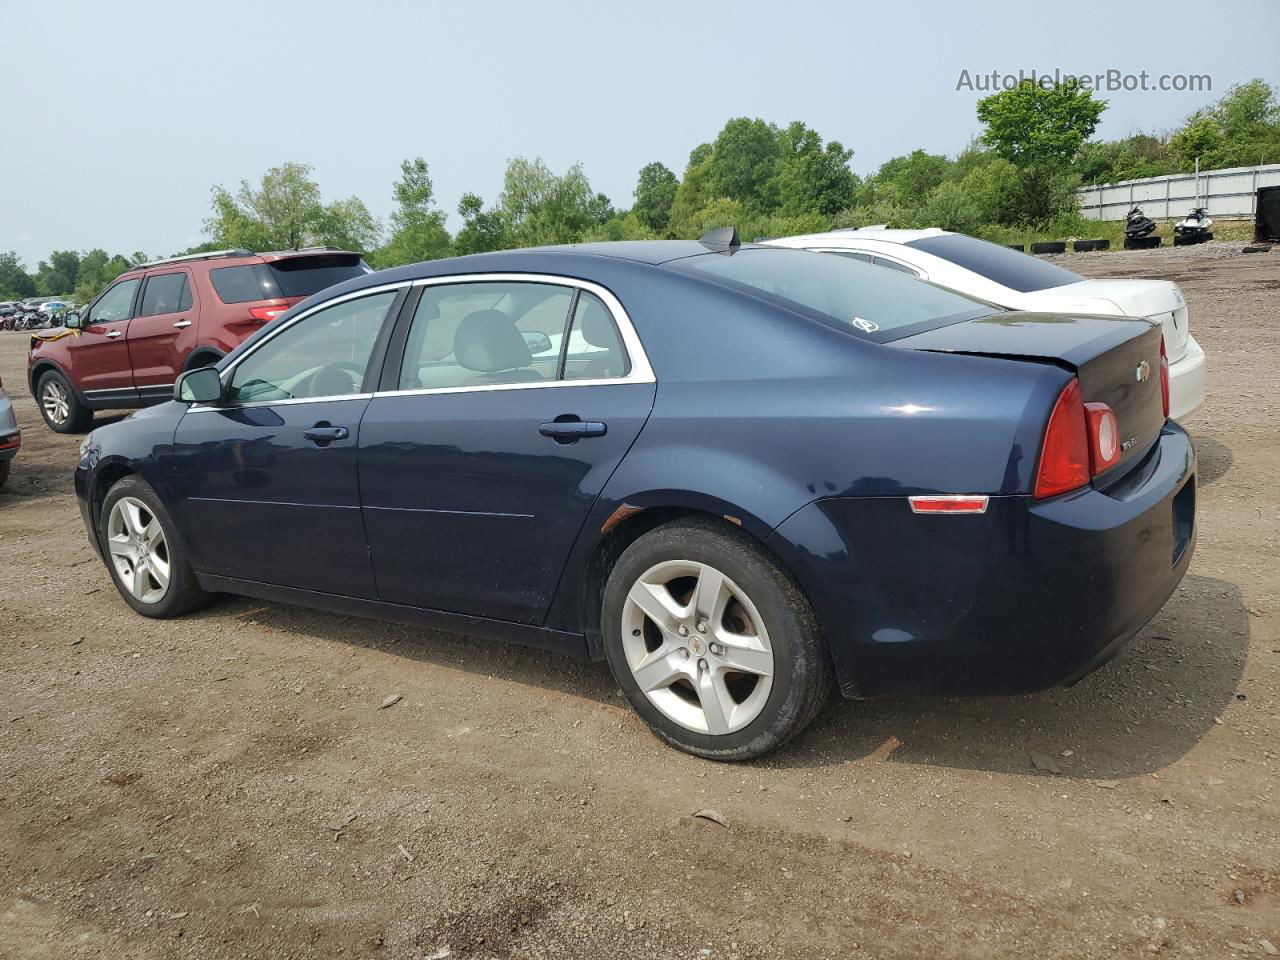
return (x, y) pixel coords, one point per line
(59, 405)
(712, 642)
(146, 559)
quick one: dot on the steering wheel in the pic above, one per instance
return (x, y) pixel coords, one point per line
(335, 379)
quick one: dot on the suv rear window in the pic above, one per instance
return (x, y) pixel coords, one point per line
(294, 277)
(861, 298)
(1009, 268)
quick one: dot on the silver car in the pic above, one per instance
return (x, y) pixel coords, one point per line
(10, 435)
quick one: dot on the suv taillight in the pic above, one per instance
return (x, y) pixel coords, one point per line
(1081, 440)
(1164, 377)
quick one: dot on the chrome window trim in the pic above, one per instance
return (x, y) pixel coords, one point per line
(641, 370)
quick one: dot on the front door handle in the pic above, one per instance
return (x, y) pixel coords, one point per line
(113, 333)
(570, 431)
(180, 324)
(322, 434)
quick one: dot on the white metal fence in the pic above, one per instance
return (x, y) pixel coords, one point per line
(1227, 193)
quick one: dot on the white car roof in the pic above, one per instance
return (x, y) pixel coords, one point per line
(883, 234)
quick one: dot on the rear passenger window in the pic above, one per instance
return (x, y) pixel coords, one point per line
(165, 293)
(595, 350)
(479, 334)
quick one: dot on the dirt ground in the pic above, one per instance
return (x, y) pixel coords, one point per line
(226, 785)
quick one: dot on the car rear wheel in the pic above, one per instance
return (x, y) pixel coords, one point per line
(144, 555)
(59, 405)
(4, 471)
(712, 643)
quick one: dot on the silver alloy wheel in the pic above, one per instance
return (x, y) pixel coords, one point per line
(697, 646)
(57, 406)
(138, 550)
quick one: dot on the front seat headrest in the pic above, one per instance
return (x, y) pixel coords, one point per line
(488, 341)
(597, 328)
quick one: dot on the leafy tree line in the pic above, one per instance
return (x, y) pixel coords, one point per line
(1034, 150)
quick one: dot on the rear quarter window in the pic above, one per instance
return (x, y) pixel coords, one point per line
(292, 277)
(1009, 268)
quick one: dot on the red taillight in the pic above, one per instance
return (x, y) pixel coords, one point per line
(1081, 440)
(1164, 377)
(1064, 455)
(266, 313)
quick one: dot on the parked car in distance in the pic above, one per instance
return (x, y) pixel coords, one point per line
(126, 348)
(770, 467)
(1022, 282)
(10, 435)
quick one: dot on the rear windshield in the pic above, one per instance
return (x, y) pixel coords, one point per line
(1007, 267)
(873, 302)
(294, 277)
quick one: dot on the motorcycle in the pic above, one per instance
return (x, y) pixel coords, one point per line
(1195, 227)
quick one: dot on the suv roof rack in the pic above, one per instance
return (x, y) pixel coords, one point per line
(211, 255)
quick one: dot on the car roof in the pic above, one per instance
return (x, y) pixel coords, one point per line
(882, 234)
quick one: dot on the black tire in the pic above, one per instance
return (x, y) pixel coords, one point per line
(802, 676)
(1089, 246)
(1020, 247)
(1142, 243)
(183, 593)
(1049, 246)
(78, 418)
(4, 471)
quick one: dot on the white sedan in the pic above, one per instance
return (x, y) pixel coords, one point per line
(1011, 279)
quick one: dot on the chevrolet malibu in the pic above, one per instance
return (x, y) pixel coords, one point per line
(741, 475)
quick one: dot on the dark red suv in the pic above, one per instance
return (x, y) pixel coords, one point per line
(165, 317)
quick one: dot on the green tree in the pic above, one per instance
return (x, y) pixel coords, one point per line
(15, 282)
(537, 206)
(286, 212)
(655, 193)
(97, 269)
(482, 230)
(908, 180)
(1202, 138)
(744, 158)
(1241, 129)
(810, 177)
(417, 226)
(1030, 125)
(56, 277)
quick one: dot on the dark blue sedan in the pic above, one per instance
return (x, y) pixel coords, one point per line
(742, 475)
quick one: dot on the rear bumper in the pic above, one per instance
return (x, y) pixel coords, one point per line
(1187, 381)
(1022, 598)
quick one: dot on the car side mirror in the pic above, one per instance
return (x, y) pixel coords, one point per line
(72, 322)
(538, 342)
(198, 386)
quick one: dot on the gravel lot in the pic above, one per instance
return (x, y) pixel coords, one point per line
(227, 785)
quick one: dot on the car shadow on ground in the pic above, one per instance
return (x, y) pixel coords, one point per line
(1213, 457)
(1137, 714)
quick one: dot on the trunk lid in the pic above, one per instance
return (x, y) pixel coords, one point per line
(1117, 360)
(1159, 300)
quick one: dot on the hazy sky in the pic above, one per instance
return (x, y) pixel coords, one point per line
(118, 117)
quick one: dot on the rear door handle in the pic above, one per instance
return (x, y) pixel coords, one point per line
(182, 323)
(568, 431)
(323, 434)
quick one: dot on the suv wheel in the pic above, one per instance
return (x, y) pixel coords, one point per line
(146, 559)
(59, 405)
(714, 645)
